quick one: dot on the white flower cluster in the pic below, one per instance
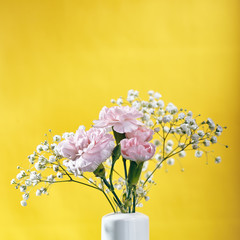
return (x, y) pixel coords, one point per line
(46, 157)
(176, 131)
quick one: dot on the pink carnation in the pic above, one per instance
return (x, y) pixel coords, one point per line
(86, 150)
(142, 133)
(122, 118)
(136, 150)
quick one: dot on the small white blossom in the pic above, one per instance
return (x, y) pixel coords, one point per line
(170, 161)
(136, 93)
(150, 92)
(38, 192)
(39, 148)
(31, 158)
(52, 159)
(219, 129)
(66, 135)
(171, 108)
(151, 111)
(201, 133)
(109, 162)
(23, 203)
(59, 175)
(25, 196)
(179, 131)
(53, 146)
(211, 124)
(39, 166)
(156, 142)
(21, 175)
(218, 159)
(184, 128)
(13, 181)
(167, 118)
(139, 190)
(113, 101)
(181, 145)
(190, 114)
(33, 175)
(130, 98)
(34, 182)
(45, 147)
(181, 115)
(118, 186)
(23, 188)
(195, 138)
(160, 103)
(157, 129)
(170, 143)
(182, 154)
(206, 143)
(119, 101)
(158, 157)
(145, 166)
(43, 190)
(150, 123)
(144, 103)
(157, 95)
(136, 105)
(159, 120)
(198, 154)
(146, 117)
(55, 168)
(28, 182)
(213, 139)
(146, 198)
(131, 92)
(56, 138)
(151, 99)
(195, 146)
(166, 129)
(50, 178)
(168, 149)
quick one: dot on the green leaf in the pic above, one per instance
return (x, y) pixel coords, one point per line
(115, 156)
(118, 136)
(134, 173)
(116, 153)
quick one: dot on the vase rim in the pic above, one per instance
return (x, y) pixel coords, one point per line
(120, 215)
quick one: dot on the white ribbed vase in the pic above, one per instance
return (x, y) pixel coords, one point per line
(125, 226)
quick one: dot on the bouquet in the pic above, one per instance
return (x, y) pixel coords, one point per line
(122, 151)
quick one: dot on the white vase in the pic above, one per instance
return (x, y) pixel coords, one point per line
(125, 226)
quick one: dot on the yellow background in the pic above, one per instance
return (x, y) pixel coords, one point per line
(61, 61)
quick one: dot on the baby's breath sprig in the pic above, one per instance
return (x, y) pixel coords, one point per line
(134, 123)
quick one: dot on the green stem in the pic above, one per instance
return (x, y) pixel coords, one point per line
(119, 203)
(134, 173)
(134, 199)
(85, 184)
(125, 168)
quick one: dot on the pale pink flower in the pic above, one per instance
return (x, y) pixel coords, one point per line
(86, 150)
(122, 118)
(142, 133)
(136, 150)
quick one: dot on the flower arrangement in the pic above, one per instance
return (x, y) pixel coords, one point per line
(137, 136)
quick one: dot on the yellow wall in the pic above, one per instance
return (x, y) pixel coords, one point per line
(61, 61)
